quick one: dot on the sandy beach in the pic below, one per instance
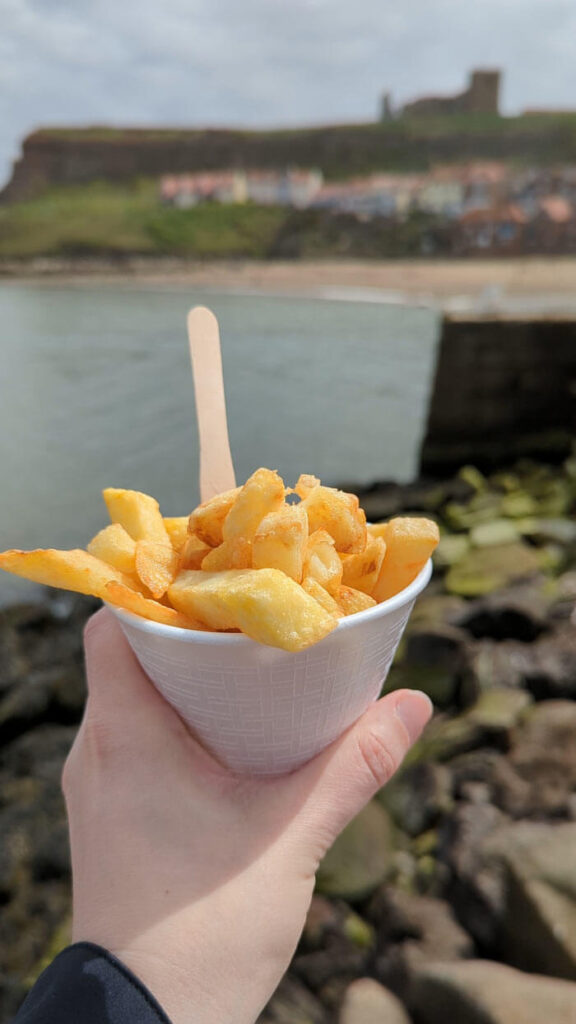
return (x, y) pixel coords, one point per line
(442, 281)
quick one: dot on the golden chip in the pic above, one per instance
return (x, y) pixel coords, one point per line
(262, 493)
(115, 546)
(322, 562)
(156, 566)
(409, 544)
(123, 597)
(69, 570)
(207, 520)
(264, 603)
(280, 540)
(361, 570)
(352, 601)
(339, 514)
(138, 513)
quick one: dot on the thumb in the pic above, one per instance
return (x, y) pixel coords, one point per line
(342, 779)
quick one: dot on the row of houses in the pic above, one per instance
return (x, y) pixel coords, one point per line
(294, 187)
(484, 207)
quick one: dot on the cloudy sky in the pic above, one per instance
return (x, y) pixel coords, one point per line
(266, 62)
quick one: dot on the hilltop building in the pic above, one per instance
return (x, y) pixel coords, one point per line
(481, 97)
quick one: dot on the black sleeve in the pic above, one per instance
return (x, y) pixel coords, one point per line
(87, 985)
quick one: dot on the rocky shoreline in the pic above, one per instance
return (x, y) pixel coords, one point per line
(454, 892)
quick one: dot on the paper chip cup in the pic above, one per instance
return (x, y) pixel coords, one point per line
(264, 711)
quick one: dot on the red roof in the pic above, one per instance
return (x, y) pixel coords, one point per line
(496, 215)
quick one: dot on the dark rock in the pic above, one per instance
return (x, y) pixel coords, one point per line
(517, 613)
(292, 1003)
(539, 925)
(543, 754)
(411, 930)
(490, 720)
(552, 670)
(368, 1002)
(482, 992)
(323, 919)
(506, 789)
(505, 664)
(438, 654)
(417, 796)
(40, 754)
(477, 886)
(437, 609)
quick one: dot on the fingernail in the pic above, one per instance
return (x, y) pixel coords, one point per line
(414, 709)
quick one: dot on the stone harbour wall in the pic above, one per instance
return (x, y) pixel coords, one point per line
(504, 387)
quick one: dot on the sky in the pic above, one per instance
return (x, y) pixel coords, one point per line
(267, 62)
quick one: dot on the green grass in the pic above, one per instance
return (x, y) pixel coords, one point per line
(109, 220)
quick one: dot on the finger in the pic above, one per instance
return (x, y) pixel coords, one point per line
(344, 777)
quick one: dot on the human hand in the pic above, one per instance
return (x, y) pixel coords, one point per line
(197, 879)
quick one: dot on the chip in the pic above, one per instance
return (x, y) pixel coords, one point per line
(207, 520)
(409, 544)
(115, 546)
(75, 570)
(264, 603)
(280, 541)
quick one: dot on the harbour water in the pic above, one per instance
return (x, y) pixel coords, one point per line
(95, 391)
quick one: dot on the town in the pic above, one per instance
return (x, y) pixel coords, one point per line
(476, 208)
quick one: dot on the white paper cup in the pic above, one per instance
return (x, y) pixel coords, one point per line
(264, 711)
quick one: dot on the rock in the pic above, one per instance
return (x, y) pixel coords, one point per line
(539, 926)
(40, 754)
(487, 569)
(543, 754)
(498, 710)
(506, 789)
(477, 889)
(360, 858)
(517, 613)
(368, 1002)
(292, 1003)
(514, 887)
(414, 928)
(34, 858)
(417, 796)
(323, 918)
(505, 664)
(560, 531)
(451, 550)
(490, 719)
(552, 668)
(438, 609)
(483, 992)
(438, 654)
(493, 533)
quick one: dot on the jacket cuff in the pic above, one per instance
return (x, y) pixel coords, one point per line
(86, 984)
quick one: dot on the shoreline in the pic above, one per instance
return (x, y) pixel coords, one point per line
(488, 283)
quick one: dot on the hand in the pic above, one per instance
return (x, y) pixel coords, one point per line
(197, 879)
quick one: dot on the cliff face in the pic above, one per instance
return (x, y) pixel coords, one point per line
(77, 156)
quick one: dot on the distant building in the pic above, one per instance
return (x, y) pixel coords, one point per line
(379, 195)
(481, 97)
(442, 192)
(553, 227)
(292, 188)
(499, 231)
